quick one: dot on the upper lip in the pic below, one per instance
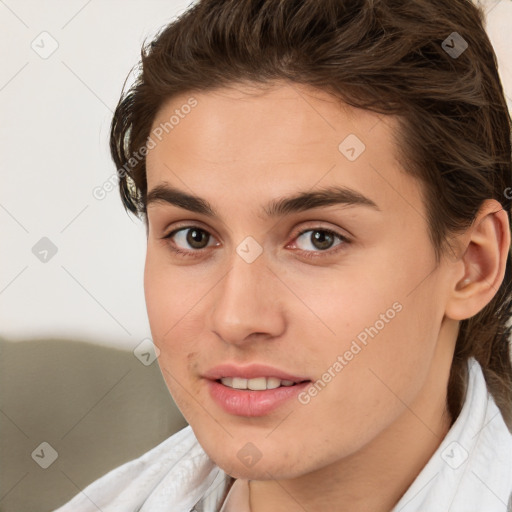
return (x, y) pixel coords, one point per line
(250, 372)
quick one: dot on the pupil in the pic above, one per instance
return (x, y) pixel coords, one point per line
(320, 236)
(195, 237)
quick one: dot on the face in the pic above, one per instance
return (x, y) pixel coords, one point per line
(345, 295)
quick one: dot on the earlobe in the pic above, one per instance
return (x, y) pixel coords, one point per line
(484, 260)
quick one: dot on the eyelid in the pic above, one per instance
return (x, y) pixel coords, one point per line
(184, 227)
(319, 226)
(331, 252)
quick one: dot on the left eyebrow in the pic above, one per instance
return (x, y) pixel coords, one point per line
(298, 202)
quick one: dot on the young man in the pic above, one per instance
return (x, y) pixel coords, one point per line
(327, 191)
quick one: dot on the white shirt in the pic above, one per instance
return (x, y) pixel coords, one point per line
(471, 471)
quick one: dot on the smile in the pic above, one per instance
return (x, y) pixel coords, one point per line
(255, 384)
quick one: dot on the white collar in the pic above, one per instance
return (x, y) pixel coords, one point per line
(471, 471)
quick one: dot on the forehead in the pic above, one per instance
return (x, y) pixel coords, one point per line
(271, 121)
(266, 143)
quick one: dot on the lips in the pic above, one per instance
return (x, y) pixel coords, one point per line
(249, 401)
(251, 372)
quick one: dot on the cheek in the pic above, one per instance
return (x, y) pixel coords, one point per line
(169, 294)
(378, 346)
(366, 393)
(176, 365)
(165, 310)
(171, 303)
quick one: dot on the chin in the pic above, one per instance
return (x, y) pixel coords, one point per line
(260, 470)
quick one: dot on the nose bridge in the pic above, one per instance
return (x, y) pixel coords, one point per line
(245, 299)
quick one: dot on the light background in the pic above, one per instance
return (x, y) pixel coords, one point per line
(55, 118)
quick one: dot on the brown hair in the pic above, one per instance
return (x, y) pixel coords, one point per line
(386, 56)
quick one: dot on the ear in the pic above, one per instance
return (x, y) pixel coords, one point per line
(481, 267)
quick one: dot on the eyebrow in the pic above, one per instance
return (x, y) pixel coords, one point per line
(298, 202)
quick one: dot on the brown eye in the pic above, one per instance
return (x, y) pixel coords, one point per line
(188, 240)
(196, 238)
(321, 239)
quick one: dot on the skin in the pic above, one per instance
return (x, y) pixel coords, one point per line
(360, 443)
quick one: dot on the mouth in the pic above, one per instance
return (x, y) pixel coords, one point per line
(257, 383)
(254, 397)
(253, 390)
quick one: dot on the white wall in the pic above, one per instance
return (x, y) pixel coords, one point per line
(499, 23)
(55, 116)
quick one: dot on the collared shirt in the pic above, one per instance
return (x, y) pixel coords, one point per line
(471, 471)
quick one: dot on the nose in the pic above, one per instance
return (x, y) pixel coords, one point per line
(248, 302)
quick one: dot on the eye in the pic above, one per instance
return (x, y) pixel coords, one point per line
(321, 239)
(194, 236)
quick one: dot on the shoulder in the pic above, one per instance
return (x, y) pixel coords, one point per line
(177, 470)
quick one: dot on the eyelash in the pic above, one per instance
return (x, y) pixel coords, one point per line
(308, 254)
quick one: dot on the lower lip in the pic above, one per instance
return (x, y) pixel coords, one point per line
(245, 402)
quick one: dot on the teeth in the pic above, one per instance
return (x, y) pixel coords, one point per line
(256, 384)
(239, 383)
